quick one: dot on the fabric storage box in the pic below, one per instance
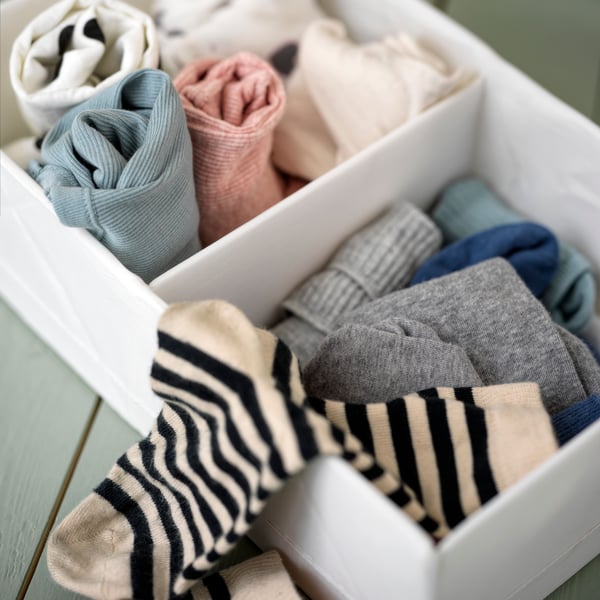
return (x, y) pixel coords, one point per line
(340, 537)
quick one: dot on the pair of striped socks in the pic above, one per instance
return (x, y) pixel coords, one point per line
(236, 425)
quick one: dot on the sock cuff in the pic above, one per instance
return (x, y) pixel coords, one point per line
(378, 259)
(468, 206)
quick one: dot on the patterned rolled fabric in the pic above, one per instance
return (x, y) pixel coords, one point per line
(192, 29)
(75, 49)
(232, 107)
(120, 165)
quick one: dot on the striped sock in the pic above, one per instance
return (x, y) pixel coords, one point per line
(261, 577)
(455, 447)
(233, 429)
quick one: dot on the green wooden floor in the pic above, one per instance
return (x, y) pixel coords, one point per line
(58, 439)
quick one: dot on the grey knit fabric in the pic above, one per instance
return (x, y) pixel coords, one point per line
(378, 259)
(586, 365)
(362, 364)
(506, 333)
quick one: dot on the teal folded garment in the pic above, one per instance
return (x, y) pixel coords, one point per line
(469, 206)
(120, 165)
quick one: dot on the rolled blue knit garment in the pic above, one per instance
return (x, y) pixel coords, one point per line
(574, 419)
(469, 206)
(120, 165)
(531, 249)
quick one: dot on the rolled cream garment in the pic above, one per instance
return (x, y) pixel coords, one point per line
(360, 92)
(75, 49)
(232, 107)
(193, 29)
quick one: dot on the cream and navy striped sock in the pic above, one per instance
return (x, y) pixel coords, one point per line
(234, 427)
(258, 578)
(455, 447)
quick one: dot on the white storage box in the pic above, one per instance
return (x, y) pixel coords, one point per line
(340, 537)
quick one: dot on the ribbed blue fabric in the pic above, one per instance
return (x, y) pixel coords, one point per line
(120, 165)
(469, 206)
(531, 249)
(574, 419)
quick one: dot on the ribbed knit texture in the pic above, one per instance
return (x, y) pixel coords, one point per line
(531, 249)
(379, 258)
(456, 448)
(234, 428)
(232, 107)
(364, 364)
(260, 578)
(361, 92)
(505, 331)
(120, 165)
(73, 50)
(469, 206)
(192, 29)
(574, 419)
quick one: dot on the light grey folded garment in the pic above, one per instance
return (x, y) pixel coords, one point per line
(362, 364)
(378, 259)
(505, 331)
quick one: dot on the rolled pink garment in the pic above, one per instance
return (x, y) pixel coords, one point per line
(232, 107)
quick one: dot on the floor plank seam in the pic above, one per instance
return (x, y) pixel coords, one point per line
(59, 500)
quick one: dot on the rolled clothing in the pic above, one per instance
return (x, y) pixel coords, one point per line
(75, 49)
(120, 165)
(379, 258)
(364, 364)
(361, 91)
(193, 29)
(507, 334)
(232, 107)
(468, 206)
(531, 249)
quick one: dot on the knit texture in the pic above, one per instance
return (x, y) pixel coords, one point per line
(232, 107)
(507, 334)
(302, 143)
(73, 50)
(468, 206)
(259, 578)
(361, 92)
(531, 249)
(233, 429)
(192, 29)
(365, 364)
(575, 418)
(120, 165)
(456, 448)
(379, 258)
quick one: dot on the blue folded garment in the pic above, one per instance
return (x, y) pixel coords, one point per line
(574, 419)
(531, 249)
(469, 206)
(120, 165)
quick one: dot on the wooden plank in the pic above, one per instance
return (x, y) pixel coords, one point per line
(109, 438)
(584, 585)
(557, 43)
(44, 408)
